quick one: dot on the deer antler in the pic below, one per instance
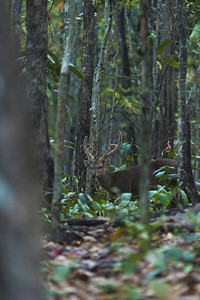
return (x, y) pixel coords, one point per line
(86, 149)
(109, 153)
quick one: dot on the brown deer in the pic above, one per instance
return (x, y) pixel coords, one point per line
(123, 181)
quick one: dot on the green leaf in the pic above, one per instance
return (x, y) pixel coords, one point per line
(71, 97)
(61, 273)
(160, 174)
(54, 58)
(82, 197)
(68, 116)
(195, 169)
(161, 289)
(171, 62)
(125, 147)
(184, 197)
(96, 206)
(197, 185)
(195, 35)
(76, 72)
(171, 176)
(161, 47)
(164, 199)
(126, 196)
(152, 194)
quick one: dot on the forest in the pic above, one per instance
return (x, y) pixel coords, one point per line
(99, 149)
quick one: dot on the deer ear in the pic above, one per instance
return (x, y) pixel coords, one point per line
(87, 163)
(107, 163)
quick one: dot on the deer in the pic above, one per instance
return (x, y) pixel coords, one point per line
(122, 181)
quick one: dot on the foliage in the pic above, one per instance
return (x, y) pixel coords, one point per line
(83, 205)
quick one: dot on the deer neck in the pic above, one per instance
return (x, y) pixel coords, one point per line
(105, 180)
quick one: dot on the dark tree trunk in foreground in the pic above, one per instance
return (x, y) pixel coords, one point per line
(85, 93)
(36, 47)
(18, 198)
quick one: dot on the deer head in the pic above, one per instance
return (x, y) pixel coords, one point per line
(99, 167)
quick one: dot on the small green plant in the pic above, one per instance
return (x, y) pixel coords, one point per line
(79, 205)
(165, 195)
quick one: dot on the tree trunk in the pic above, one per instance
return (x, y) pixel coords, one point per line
(16, 22)
(36, 48)
(145, 119)
(19, 259)
(167, 95)
(192, 188)
(85, 93)
(197, 114)
(60, 122)
(182, 143)
(126, 82)
(155, 81)
(97, 81)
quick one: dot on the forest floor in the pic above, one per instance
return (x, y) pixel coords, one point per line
(99, 260)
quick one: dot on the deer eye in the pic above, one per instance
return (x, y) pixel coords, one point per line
(100, 167)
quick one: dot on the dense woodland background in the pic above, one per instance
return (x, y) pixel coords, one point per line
(70, 69)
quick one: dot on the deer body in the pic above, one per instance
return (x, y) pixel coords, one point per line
(127, 180)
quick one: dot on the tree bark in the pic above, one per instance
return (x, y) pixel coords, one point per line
(126, 82)
(36, 48)
(192, 188)
(182, 143)
(19, 259)
(167, 95)
(16, 22)
(145, 119)
(85, 93)
(60, 122)
(97, 81)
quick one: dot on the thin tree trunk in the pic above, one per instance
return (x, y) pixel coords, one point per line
(130, 42)
(182, 146)
(126, 81)
(192, 188)
(112, 112)
(197, 113)
(167, 94)
(145, 120)
(60, 122)
(154, 96)
(85, 93)
(97, 81)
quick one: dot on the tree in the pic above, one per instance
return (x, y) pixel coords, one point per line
(19, 259)
(167, 92)
(97, 82)
(85, 93)
(126, 83)
(16, 22)
(185, 177)
(145, 118)
(60, 122)
(36, 51)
